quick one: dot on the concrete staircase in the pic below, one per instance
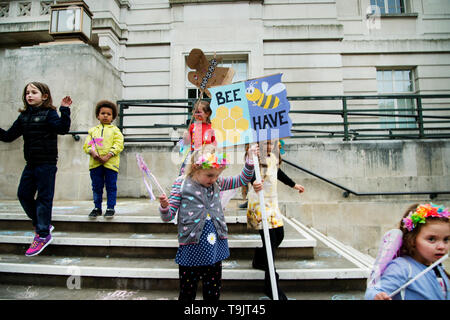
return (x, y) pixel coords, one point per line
(131, 256)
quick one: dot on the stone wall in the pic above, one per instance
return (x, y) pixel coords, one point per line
(360, 221)
(73, 69)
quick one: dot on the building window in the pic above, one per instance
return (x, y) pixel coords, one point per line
(401, 82)
(240, 74)
(4, 10)
(389, 6)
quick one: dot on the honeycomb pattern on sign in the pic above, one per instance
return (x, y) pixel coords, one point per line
(229, 124)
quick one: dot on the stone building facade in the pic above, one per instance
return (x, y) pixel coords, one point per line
(138, 50)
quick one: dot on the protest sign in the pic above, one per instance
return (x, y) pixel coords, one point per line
(250, 111)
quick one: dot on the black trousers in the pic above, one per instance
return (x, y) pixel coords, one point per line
(211, 277)
(35, 193)
(260, 259)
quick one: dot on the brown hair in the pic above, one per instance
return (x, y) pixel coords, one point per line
(106, 104)
(409, 237)
(206, 108)
(44, 89)
(263, 152)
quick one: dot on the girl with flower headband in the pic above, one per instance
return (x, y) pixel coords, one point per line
(202, 231)
(425, 236)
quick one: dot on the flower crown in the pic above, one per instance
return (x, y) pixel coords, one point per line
(212, 160)
(422, 212)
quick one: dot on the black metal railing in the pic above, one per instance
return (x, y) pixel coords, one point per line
(353, 118)
(347, 191)
(424, 117)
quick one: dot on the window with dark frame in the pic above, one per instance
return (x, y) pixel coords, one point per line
(390, 6)
(240, 74)
(396, 81)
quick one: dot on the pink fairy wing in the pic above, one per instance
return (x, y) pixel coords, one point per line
(389, 247)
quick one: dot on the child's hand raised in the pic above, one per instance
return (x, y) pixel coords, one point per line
(66, 101)
(163, 201)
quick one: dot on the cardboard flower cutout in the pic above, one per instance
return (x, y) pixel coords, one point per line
(207, 74)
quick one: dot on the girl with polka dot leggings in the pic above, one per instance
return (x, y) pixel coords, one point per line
(202, 231)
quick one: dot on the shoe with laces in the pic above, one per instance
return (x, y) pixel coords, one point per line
(95, 213)
(109, 213)
(38, 245)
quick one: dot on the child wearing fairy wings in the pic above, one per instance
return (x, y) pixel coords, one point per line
(425, 232)
(104, 144)
(202, 231)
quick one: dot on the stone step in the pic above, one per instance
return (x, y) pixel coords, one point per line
(329, 268)
(132, 215)
(332, 267)
(136, 245)
(131, 234)
(33, 292)
(100, 260)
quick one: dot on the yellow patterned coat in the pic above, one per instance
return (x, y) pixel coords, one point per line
(274, 217)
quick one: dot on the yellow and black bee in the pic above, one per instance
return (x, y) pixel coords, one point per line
(266, 98)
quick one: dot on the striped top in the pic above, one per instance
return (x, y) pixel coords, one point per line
(224, 184)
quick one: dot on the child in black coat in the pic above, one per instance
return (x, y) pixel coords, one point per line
(39, 124)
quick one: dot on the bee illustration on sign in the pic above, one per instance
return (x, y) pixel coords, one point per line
(266, 97)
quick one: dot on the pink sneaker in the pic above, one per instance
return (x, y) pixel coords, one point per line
(38, 245)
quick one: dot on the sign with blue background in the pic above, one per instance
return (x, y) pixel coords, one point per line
(250, 111)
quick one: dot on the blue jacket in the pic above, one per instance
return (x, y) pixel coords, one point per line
(401, 270)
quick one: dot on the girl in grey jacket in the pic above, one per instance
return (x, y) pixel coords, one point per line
(202, 231)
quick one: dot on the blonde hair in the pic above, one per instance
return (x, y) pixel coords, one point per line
(192, 167)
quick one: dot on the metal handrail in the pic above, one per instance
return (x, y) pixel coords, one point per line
(346, 131)
(348, 191)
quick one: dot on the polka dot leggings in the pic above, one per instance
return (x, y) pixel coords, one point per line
(211, 282)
